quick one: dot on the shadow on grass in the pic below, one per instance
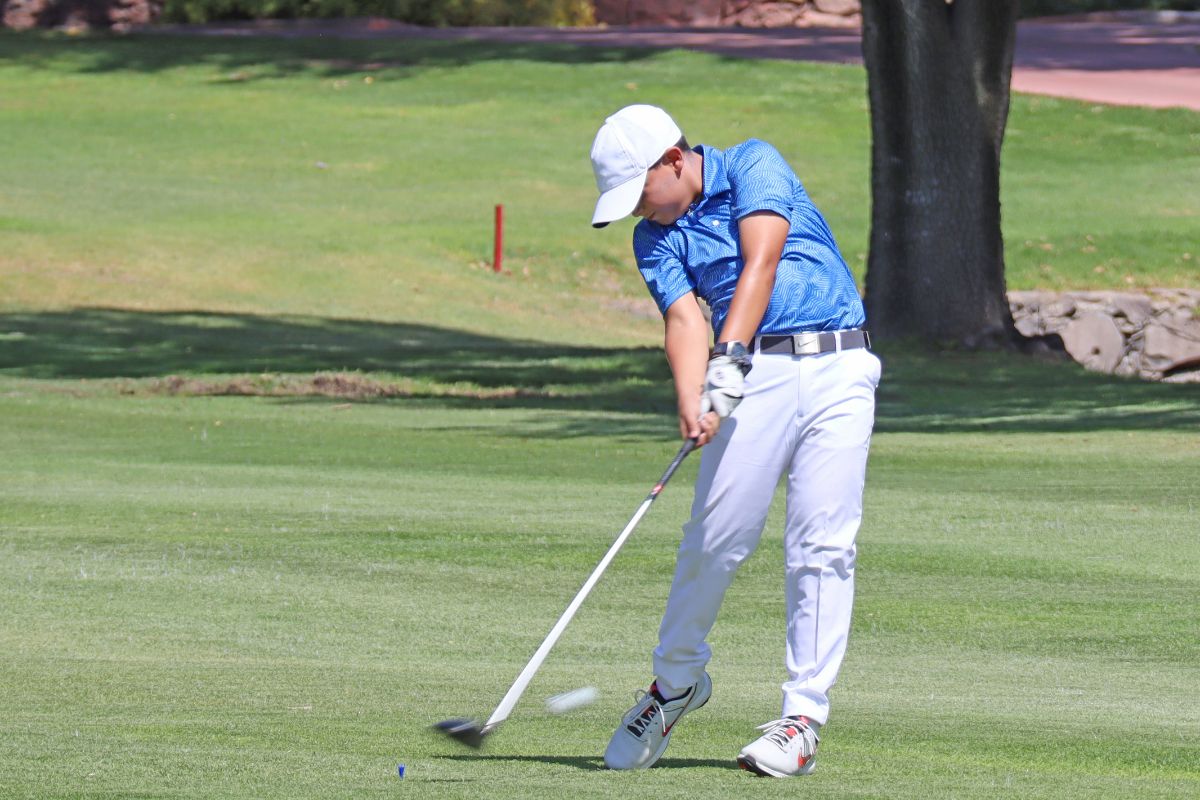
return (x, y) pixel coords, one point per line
(962, 391)
(222, 353)
(258, 58)
(311, 359)
(595, 763)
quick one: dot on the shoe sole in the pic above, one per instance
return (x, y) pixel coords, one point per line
(749, 764)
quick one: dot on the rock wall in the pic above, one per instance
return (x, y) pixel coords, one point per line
(77, 14)
(731, 13)
(120, 14)
(1154, 336)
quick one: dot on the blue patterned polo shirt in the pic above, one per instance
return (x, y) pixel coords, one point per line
(700, 252)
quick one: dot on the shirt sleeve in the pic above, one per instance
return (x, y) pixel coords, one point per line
(661, 267)
(760, 180)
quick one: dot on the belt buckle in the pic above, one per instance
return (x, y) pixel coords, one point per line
(806, 344)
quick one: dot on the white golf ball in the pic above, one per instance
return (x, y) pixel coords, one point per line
(569, 701)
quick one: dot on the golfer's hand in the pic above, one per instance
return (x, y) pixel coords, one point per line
(724, 383)
(695, 423)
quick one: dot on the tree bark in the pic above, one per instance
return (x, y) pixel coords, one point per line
(938, 76)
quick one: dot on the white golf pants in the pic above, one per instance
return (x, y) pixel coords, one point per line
(809, 418)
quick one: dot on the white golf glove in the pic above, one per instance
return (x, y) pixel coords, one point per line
(724, 384)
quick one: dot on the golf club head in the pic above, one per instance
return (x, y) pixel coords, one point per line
(466, 731)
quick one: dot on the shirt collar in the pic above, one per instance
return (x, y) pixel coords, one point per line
(716, 179)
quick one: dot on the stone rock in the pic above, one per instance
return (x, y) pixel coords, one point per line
(22, 15)
(659, 12)
(124, 14)
(1095, 342)
(734, 7)
(1060, 307)
(1131, 365)
(768, 15)
(842, 8)
(1029, 325)
(819, 19)
(1186, 376)
(1159, 330)
(1167, 349)
(1176, 317)
(120, 15)
(1032, 300)
(1133, 307)
(743, 13)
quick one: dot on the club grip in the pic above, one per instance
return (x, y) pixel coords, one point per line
(688, 446)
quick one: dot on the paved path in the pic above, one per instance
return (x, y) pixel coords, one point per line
(1142, 60)
(1118, 62)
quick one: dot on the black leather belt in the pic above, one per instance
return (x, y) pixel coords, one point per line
(813, 343)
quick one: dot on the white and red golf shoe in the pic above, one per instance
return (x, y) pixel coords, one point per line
(646, 729)
(787, 747)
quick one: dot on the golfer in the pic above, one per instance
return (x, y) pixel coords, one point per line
(787, 390)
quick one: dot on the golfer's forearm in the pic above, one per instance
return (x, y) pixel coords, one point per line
(686, 344)
(762, 235)
(749, 303)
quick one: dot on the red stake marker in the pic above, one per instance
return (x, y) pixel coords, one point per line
(498, 248)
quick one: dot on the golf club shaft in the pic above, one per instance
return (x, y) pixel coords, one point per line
(518, 688)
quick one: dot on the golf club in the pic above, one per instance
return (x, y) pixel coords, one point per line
(469, 731)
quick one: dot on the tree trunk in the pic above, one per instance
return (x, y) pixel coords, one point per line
(938, 78)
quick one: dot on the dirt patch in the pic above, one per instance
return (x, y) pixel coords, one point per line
(334, 385)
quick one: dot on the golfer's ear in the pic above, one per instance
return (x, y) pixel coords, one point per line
(673, 158)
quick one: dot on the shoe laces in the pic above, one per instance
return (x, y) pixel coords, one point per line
(640, 695)
(776, 732)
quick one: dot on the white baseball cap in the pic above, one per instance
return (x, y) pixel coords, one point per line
(629, 143)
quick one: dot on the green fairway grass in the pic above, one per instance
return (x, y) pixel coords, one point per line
(269, 176)
(256, 597)
(290, 475)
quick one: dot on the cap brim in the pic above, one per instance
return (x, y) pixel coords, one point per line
(619, 201)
